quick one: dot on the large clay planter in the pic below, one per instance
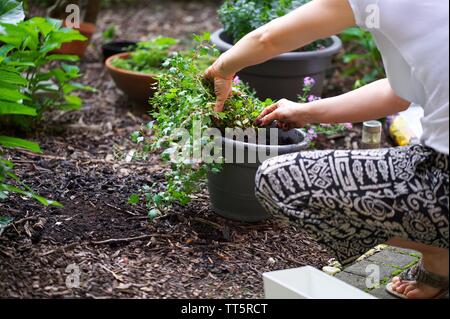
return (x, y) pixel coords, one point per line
(139, 87)
(79, 47)
(232, 190)
(282, 77)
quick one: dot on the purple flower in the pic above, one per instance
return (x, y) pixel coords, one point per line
(311, 134)
(348, 126)
(313, 98)
(309, 81)
(236, 80)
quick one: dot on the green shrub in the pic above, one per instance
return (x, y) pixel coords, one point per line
(50, 77)
(362, 57)
(12, 102)
(184, 98)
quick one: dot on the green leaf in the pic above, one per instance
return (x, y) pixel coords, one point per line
(63, 57)
(12, 78)
(153, 213)
(133, 199)
(16, 108)
(12, 95)
(5, 222)
(42, 200)
(12, 142)
(11, 11)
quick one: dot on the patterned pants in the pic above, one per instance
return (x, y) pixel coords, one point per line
(351, 201)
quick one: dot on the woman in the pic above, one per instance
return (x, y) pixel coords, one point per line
(350, 201)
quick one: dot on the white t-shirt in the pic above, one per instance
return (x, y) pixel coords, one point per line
(413, 37)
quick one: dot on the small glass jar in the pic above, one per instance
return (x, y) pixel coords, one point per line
(371, 134)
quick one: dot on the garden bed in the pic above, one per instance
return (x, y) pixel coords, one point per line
(190, 253)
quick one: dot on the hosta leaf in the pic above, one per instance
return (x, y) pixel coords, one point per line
(12, 78)
(12, 95)
(16, 108)
(11, 11)
(63, 57)
(13, 142)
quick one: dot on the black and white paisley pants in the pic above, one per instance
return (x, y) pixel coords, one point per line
(351, 201)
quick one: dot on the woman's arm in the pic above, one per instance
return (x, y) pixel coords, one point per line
(373, 101)
(315, 20)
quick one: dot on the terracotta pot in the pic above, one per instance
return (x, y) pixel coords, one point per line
(138, 86)
(79, 47)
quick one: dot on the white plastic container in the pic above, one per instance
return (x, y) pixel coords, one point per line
(308, 283)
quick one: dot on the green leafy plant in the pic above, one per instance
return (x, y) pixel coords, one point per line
(50, 78)
(240, 17)
(362, 57)
(313, 131)
(12, 100)
(148, 57)
(110, 33)
(183, 99)
(25, 64)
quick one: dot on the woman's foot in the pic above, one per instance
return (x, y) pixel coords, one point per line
(435, 263)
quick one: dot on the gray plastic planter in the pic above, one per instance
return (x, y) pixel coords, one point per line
(232, 191)
(282, 77)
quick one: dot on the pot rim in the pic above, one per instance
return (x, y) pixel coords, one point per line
(289, 56)
(111, 67)
(282, 149)
(86, 27)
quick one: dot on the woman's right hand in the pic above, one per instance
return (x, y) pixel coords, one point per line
(288, 115)
(222, 85)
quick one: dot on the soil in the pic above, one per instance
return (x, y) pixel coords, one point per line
(87, 166)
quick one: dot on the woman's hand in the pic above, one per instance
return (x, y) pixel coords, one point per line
(222, 85)
(288, 115)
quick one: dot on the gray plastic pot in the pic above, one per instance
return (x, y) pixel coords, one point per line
(232, 190)
(282, 77)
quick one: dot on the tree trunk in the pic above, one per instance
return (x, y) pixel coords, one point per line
(92, 9)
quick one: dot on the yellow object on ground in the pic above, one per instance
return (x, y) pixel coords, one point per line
(400, 132)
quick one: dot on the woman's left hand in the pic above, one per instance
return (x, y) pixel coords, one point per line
(288, 115)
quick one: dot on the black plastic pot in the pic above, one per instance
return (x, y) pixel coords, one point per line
(115, 47)
(232, 190)
(282, 77)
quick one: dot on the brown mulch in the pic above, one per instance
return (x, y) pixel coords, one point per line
(190, 253)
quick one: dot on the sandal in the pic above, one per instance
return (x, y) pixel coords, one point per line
(419, 274)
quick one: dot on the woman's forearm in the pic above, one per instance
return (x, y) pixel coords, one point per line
(373, 101)
(315, 20)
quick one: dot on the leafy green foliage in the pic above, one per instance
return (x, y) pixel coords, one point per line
(362, 56)
(184, 98)
(11, 11)
(147, 57)
(313, 131)
(27, 66)
(110, 33)
(12, 102)
(240, 17)
(48, 78)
